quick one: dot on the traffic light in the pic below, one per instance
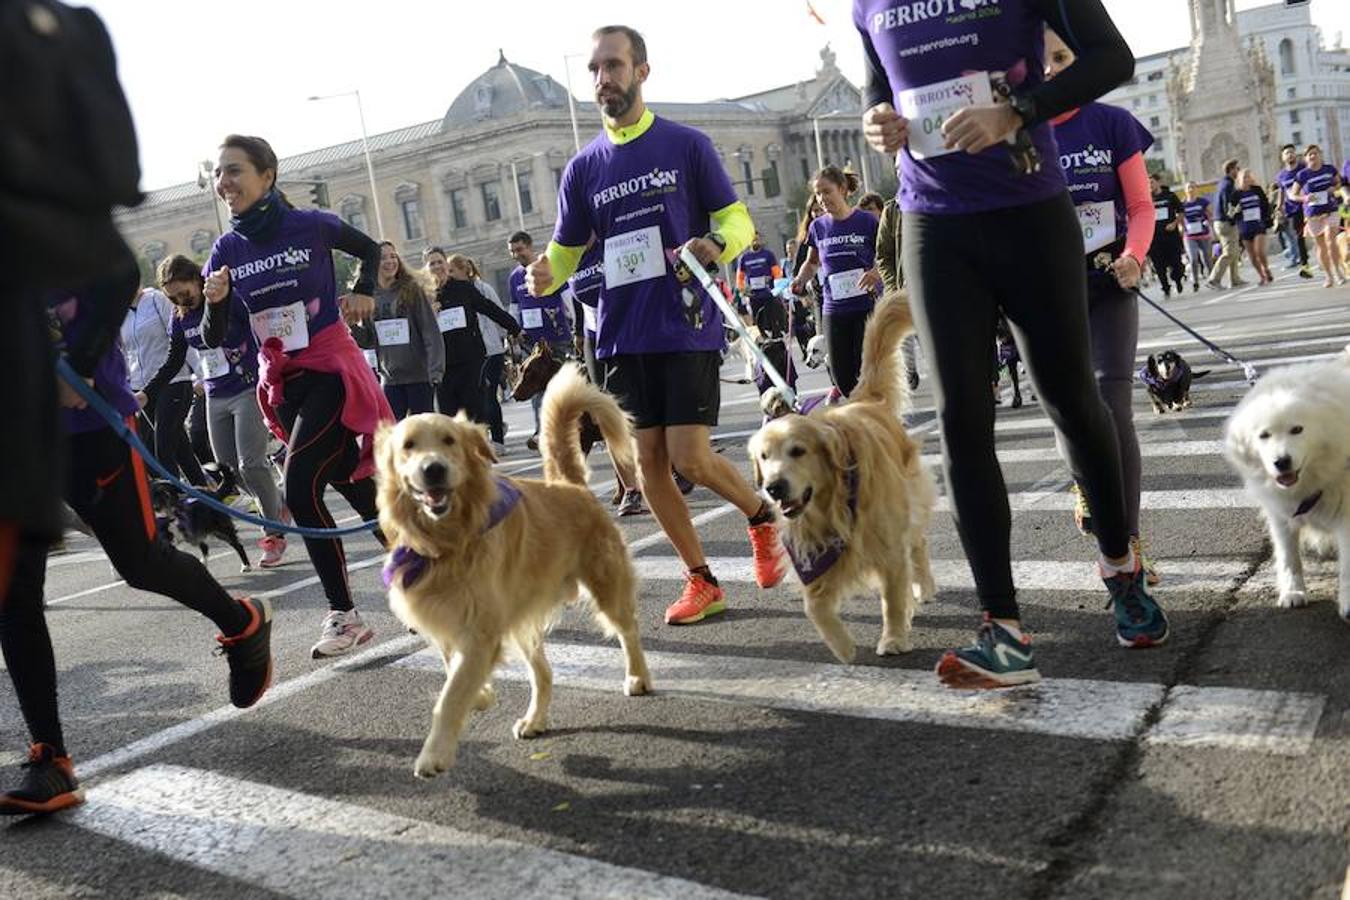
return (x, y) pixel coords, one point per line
(318, 193)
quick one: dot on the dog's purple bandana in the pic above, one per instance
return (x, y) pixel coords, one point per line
(811, 568)
(1157, 382)
(408, 565)
(1307, 505)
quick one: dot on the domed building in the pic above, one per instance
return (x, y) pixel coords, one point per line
(491, 166)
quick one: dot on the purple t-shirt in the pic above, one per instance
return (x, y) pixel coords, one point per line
(643, 200)
(757, 265)
(541, 318)
(1314, 184)
(286, 284)
(1287, 177)
(231, 368)
(585, 285)
(1093, 145)
(924, 45)
(1197, 219)
(110, 373)
(1250, 221)
(847, 248)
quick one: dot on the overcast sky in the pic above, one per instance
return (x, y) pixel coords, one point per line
(195, 71)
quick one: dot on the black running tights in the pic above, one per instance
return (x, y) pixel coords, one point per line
(844, 342)
(322, 451)
(108, 488)
(1028, 262)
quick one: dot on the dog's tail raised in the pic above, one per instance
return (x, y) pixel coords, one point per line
(570, 396)
(882, 379)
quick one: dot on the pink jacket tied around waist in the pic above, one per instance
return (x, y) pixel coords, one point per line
(330, 350)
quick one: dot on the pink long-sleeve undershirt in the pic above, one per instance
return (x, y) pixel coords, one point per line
(1139, 217)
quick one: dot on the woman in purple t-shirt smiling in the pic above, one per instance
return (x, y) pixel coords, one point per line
(1316, 188)
(961, 97)
(843, 244)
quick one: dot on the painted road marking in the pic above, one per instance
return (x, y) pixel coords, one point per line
(301, 845)
(1190, 575)
(1261, 721)
(1050, 454)
(1221, 498)
(1171, 338)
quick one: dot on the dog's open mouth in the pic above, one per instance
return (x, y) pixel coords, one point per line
(1287, 479)
(436, 501)
(793, 508)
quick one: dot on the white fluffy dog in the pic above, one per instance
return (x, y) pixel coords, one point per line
(1289, 438)
(815, 352)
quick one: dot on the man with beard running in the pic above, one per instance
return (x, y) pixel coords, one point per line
(648, 188)
(1294, 221)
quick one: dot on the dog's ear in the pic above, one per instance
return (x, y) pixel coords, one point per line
(384, 450)
(477, 437)
(836, 447)
(752, 450)
(1239, 446)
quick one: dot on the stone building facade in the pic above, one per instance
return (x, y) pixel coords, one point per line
(492, 163)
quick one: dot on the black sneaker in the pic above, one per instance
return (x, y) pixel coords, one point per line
(48, 784)
(912, 376)
(684, 484)
(250, 655)
(533, 442)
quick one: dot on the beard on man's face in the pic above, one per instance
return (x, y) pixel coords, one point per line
(615, 105)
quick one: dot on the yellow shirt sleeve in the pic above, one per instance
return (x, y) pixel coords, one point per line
(564, 261)
(734, 225)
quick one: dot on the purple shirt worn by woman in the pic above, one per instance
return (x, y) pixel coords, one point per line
(941, 55)
(1251, 218)
(643, 199)
(1319, 190)
(1092, 146)
(231, 368)
(110, 374)
(847, 248)
(1197, 220)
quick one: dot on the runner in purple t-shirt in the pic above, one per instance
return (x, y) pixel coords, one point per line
(645, 189)
(1199, 235)
(1292, 222)
(1315, 187)
(959, 92)
(843, 245)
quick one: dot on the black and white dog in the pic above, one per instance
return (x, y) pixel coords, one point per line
(184, 519)
(1168, 378)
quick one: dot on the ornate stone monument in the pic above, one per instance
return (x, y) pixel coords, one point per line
(1223, 96)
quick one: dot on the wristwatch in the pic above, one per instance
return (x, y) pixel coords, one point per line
(717, 239)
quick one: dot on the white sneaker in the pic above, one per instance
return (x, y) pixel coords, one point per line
(342, 632)
(274, 548)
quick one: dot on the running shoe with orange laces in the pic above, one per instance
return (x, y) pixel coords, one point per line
(701, 598)
(48, 784)
(770, 558)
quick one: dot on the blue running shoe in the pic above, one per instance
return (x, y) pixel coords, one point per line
(1140, 621)
(995, 660)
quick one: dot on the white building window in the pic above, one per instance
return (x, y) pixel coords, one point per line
(1286, 57)
(408, 198)
(352, 209)
(492, 201)
(201, 242)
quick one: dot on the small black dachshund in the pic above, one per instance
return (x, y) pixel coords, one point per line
(1168, 378)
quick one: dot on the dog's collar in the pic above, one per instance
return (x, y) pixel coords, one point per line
(811, 568)
(1307, 505)
(408, 565)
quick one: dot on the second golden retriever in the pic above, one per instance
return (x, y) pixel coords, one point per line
(483, 562)
(854, 496)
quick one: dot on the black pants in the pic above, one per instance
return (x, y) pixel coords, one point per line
(410, 399)
(1297, 220)
(844, 342)
(198, 432)
(1166, 255)
(461, 388)
(491, 378)
(108, 488)
(322, 451)
(1028, 262)
(167, 411)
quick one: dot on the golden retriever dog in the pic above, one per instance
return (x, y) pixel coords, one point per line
(476, 573)
(854, 497)
(1290, 442)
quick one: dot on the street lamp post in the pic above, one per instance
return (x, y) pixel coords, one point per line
(204, 182)
(365, 147)
(520, 207)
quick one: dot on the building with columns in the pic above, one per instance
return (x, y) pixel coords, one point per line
(1311, 101)
(491, 165)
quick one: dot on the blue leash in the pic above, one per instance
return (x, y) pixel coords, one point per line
(110, 415)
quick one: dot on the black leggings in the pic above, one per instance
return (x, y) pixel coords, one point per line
(107, 487)
(491, 371)
(322, 451)
(461, 388)
(1166, 255)
(1028, 262)
(167, 409)
(844, 342)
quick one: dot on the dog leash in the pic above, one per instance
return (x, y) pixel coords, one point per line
(1248, 370)
(693, 265)
(133, 440)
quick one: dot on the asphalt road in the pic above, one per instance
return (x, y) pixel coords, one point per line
(1215, 766)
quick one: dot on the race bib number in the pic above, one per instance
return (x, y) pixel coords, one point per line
(844, 285)
(1321, 198)
(588, 319)
(1195, 227)
(928, 107)
(532, 318)
(372, 358)
(285, 323)
(214, 363)
(392, 332)
(633, 257)
(1251, 215)
(452, 319)
(1160, 213)
(1098, 221)
(759, 283)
